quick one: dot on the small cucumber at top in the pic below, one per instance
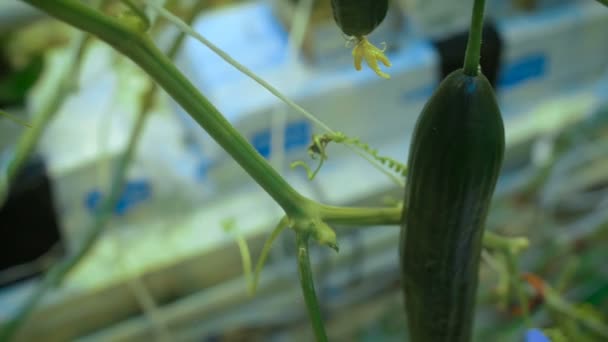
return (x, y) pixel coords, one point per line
(358, 18)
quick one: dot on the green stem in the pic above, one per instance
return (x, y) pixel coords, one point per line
(14, 118)
(308, 287)
(142, 51)
(29, 139)
(472, 56)
(284, 223)
(361, 216)
(516, 285)
(192, 14)
(512, 245)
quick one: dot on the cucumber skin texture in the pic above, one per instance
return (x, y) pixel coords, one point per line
(455, 158)
(359, 18)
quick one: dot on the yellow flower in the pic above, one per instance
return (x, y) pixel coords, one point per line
(364, 50)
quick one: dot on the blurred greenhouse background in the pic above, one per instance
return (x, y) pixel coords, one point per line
(169, 267)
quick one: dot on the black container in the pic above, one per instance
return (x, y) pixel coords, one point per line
(29, 226)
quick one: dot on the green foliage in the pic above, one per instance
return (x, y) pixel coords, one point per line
(556, 335)
(15, 86)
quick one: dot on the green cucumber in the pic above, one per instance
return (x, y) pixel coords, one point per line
(359, 18)
(455, 158)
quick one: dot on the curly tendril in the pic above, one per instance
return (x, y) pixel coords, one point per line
(318, 147)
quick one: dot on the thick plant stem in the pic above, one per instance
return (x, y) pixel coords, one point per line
(308, 287)
(142, 51)
(472, 56)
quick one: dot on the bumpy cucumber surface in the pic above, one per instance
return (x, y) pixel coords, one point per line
(359, 18)
(455, 158)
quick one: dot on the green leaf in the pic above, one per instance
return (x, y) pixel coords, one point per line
(16, 85)
(556, 335)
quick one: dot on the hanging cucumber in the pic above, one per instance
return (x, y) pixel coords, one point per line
(455, 158)
(358, 18)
